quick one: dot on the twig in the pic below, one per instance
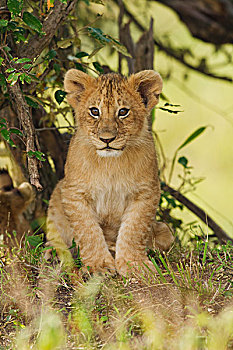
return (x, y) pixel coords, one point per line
(55, 128)
(174, 53)
(220, 233)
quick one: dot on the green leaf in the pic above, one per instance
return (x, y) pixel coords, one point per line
(28, 79)
(23, 60)
(7, 48)
(15, 6)
(5, 134)
(37, 154)
(9, 70)
(27, 66)
(73, 245)
(119, 47)
(32, 22)
(2, 80)
(104, 39)
(169, 110)
(183, 161)
(193, 136)
(30, 102)
(1, 60)
(98, 34)
(98, 67)
(19, 37)
(3, 23)
(16, 131)
(3, 123)
(13, 77)
(33, 77)
(12, 25)
(80, 67)
(172, 105)
(50, 55)
(57, 68)
(34, 240)
(81, 54)
(59, 96)
(171, 201)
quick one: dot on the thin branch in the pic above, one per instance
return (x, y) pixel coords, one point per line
(174, 53)
(55, 128)
(200, 213)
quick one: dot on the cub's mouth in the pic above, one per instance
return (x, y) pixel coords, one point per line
(109, 151)
(108, 148)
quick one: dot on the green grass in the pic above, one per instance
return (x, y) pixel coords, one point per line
(184, 303)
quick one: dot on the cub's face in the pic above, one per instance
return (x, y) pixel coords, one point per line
(112, 111)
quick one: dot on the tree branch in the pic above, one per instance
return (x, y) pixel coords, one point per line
(36, 44)
(200, 213)
(33, 49)
(210, 21)
(179, 56)
(25, 119)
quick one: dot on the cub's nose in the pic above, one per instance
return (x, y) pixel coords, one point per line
(107, 140)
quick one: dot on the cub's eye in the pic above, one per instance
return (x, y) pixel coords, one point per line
(94, 112)
(123, 112)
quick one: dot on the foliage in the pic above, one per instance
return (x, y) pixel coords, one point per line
(57, 309)
(7, 132)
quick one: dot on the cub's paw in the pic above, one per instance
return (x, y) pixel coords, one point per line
(162, 237)
(100, 264)
(132, 266)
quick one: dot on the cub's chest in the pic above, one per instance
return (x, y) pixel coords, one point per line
(111, 199)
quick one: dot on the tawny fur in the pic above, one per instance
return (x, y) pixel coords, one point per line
(109, 196)
(13, 202)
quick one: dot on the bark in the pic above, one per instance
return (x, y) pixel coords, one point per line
(208, 20)
(144, 51)
(31, 140)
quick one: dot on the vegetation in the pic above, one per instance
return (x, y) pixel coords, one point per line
(186, 302)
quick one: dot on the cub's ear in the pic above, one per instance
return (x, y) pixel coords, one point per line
(75, 83)
(149, 84)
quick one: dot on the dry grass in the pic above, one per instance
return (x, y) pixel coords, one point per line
(185, 304)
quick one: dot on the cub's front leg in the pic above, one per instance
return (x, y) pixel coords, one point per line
(134, 232)
(87, 233)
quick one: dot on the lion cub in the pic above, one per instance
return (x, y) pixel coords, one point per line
(110, 192)
(13, 202)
